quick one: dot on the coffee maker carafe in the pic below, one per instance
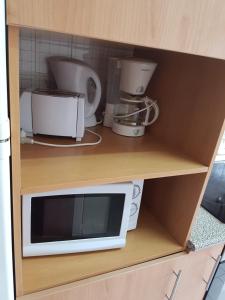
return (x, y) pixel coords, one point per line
(134, 111)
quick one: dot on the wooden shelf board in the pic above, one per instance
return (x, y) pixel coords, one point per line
(116, 159)
(149, 241)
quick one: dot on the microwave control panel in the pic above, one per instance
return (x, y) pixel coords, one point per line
(135, 204)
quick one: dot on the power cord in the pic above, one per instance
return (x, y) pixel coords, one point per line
(27, 140)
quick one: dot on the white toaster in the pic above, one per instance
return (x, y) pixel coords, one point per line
(52, 113)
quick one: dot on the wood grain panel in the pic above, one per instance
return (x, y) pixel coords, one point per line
(180, 25)
(13, 68)
(190, 92)
(151, 280)
(196, 270)
(116, 159)
(174, 202)
(149, 241)
(144, 281)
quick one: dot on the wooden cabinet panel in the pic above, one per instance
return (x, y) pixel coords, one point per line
(196, 270)
(143, 282)
(181, 25)
(153, 280)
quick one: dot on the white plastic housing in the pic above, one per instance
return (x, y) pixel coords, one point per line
(128, 130)
(54, 115)
(26, 112)
(80, 119)
(136, 203)
(83, 245)
(6, 247)
(135, 75)
(73, 75)
(6, 267)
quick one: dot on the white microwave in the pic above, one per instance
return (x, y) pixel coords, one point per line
(80, 219)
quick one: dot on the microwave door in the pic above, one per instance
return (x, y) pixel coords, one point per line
(51, 219)
(57, 222)
(96, 215)
(76, 217)
(90, 216)
(78, 207)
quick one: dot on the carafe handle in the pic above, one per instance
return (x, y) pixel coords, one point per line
(151, 104)
(91, 109)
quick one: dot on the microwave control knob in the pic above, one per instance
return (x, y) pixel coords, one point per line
(136, 191)
(133, 209)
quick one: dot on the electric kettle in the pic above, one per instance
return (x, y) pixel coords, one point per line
(74, 75)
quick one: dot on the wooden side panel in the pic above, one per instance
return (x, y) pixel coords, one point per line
(174, 201)
(180, 25)
(13, 67)
(190, 92)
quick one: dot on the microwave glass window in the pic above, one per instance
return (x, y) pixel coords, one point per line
(72, 217)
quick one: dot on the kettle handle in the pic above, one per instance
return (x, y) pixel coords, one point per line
(91, 109)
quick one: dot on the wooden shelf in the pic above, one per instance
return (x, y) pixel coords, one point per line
(116, 159)
(147, 242)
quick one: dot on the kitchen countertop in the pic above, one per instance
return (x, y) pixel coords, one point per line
(206, 231)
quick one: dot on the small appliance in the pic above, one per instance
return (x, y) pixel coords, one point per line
(76, 76)
(80, 219)
(128, 111)
(52, 113)
(214, 197)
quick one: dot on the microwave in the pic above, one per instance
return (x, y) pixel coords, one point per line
(80, 219)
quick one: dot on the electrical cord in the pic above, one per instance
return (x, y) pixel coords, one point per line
(27, 140)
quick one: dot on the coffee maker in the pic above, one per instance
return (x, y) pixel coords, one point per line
(131, 111)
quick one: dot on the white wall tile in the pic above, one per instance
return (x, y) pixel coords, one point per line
(37, 46)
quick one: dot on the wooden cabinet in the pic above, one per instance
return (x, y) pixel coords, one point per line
(170, 157)
(143, 282)
(189, 26)
(183, 276)
(174, 172)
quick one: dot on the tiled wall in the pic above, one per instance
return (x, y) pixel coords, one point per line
(36, 46)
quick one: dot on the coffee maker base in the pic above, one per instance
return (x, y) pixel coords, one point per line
(128, 130)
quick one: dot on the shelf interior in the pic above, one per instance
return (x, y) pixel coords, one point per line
(149, 241)
(189, 90)
(116, 159)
